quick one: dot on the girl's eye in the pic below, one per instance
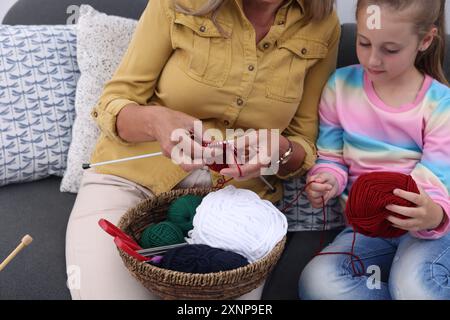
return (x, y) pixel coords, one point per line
(392, 51)
(364, 44)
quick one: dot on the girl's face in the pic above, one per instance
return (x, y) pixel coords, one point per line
(389, 52)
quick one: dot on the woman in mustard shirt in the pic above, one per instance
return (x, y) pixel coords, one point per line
(226, 64)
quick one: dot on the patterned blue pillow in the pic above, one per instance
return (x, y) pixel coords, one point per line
(302, 217)
(38, 77)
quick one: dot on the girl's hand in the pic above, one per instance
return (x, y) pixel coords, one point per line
(427, 215)
(321, 185)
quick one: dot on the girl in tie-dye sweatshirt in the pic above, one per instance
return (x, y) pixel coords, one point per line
(390, 113)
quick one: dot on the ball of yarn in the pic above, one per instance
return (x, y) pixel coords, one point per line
(181, 211)
(201, 259)
(370, 194)
(238, 220)
(161, 234)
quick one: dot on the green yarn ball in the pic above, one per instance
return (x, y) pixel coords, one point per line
(182, 211)
(161, 234)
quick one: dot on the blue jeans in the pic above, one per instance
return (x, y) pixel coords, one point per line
(400, 268)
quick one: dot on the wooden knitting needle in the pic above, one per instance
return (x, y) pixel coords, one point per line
(23, 243)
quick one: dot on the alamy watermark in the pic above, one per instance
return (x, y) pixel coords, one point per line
(374, 20)
(257, 147)
(74, 277)
(373, 282)
(74, 13)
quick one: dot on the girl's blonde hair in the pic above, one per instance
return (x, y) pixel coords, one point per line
(428, 14)
(315, 10)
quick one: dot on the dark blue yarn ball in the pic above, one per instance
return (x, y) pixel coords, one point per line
(200, 258)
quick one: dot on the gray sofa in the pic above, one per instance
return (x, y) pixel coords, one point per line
(38, 208)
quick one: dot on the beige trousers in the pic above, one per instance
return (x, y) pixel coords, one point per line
(94, 267)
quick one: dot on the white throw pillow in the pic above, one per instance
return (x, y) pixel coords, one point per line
(101, 42)
(38, 77)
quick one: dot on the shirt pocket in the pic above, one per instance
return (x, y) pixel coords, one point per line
(290, 63)
(202, 51)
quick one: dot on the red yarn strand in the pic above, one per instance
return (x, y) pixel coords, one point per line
(322, 235)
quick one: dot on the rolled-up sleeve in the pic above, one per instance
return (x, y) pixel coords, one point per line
(134, 80)
(303, 128)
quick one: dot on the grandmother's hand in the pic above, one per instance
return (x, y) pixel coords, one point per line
(172, 129)
(255, 152)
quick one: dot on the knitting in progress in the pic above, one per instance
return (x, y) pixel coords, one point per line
(238, 220)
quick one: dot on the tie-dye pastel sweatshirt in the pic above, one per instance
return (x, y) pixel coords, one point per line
(359, 134)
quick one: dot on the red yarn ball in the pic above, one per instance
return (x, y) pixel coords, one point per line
(370, 194)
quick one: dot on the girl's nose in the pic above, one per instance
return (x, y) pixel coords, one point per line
(374, 59)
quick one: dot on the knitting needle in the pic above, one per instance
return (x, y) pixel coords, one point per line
(26, 240)
(160, 249)
(149, 155)
(272, 188)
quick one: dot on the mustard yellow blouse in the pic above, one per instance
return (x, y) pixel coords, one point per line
(223, 78)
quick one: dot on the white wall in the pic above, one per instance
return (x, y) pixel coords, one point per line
(346, 11)
(4, 7)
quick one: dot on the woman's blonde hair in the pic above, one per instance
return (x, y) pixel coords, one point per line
(427, 14)
(315, 10)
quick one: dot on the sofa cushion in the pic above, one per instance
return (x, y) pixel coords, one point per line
(38, 209)
(38, 77)
(301, 216)
(101, 42)
(65, 11)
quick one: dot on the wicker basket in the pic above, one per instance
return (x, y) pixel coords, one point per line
(170, 284)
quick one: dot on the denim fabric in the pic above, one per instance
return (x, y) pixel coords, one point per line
(405, 268)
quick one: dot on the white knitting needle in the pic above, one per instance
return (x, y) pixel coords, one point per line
(149, 155)
(23, 243)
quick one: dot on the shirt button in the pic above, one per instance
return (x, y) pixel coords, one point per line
(251, 67)
(304, 51)
(95, 114)
(266, 45)
(239, 102)
(202, 29)
(226, 122)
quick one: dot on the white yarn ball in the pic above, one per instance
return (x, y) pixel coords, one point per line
(238, 220)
